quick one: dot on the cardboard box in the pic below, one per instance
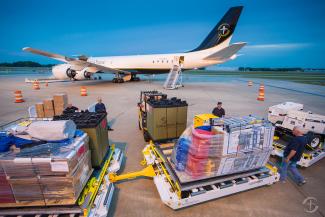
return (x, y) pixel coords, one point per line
(48, 104)
(49, 113)
(60, 99)
(40, 110)
(60, 103)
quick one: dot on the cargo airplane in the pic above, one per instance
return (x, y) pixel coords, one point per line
(215, 49)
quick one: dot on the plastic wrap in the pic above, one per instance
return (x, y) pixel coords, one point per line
(231, 145)
(46, 174)
(52, 130)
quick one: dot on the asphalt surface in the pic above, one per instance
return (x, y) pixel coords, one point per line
(139, 197)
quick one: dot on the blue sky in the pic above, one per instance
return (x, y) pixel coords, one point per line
(280, 33)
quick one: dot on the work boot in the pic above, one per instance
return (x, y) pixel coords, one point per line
(302, 183)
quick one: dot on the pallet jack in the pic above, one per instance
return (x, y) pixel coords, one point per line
(177, 195)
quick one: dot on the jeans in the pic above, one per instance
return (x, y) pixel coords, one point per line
(292, 167)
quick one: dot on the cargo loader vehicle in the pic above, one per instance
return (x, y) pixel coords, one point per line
(289, 114)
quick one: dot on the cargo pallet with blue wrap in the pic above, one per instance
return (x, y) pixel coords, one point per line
(95, 197)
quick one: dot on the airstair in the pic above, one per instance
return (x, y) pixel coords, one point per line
(174, 78)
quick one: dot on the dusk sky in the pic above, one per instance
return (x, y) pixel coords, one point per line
(280, 33)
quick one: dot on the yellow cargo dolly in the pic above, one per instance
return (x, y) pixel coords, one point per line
(176, 196)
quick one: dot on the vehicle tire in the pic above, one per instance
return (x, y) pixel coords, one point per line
(114, 80)
(313, 140)
(146, 136)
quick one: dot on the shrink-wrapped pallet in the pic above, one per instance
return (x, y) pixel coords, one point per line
(52, 130)
(47, 174)
(230, 145)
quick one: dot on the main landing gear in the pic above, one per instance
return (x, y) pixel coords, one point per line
(119, 79)
(134, 78)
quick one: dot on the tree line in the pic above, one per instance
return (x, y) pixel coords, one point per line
(24, 64)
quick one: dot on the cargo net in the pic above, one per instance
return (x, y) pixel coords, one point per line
(46, 174)
(227, 146)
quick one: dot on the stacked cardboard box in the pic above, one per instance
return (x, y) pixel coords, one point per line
(60, 103)
(47, 174)
(52, 106)
(48, 108)
(40, 110)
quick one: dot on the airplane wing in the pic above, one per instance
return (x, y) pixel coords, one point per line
(227, 52)
(81, 61)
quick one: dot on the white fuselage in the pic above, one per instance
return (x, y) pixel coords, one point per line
(161, 61)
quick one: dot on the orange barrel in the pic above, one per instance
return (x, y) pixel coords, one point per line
(83, 91)
(19, 96)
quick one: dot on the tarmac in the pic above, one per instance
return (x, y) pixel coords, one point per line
(139, 197)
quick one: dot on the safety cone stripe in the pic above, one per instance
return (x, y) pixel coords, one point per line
(36, 85)
(261, 93)
(83, 91)
(18, 96)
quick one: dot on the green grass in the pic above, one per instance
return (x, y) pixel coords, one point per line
(317, 78)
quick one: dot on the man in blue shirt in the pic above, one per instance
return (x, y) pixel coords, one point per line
(100, 108)
(292, 154)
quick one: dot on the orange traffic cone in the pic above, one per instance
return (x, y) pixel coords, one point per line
(36, 85)
(19, 97)
(250, 83)
(261, 95)
(262, 86)
(83, 91)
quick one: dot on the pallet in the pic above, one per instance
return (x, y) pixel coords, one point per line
(43, 211)
(188, 194)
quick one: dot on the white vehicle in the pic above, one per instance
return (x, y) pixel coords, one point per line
(289, 114)
(278, 112)
(215, 49)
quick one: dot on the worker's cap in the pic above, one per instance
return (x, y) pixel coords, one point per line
(219, 103)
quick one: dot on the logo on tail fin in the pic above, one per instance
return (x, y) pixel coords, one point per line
(224, 30)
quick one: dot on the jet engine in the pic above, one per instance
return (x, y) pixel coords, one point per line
(63, 71)
(83, 74)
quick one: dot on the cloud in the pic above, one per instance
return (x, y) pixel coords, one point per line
(279, 46)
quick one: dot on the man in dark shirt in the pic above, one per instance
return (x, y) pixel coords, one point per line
(219, 111)
(292, 154)
(70, 109)
(100, 108)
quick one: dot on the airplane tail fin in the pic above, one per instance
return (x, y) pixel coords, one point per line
(223, 30)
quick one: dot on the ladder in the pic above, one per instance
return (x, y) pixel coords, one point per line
(174, 78)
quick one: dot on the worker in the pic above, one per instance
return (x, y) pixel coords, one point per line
(219, 111)
(100, 108)
(70, 109)
(292, 154)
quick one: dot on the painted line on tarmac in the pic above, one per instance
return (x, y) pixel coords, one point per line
(285, 88)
